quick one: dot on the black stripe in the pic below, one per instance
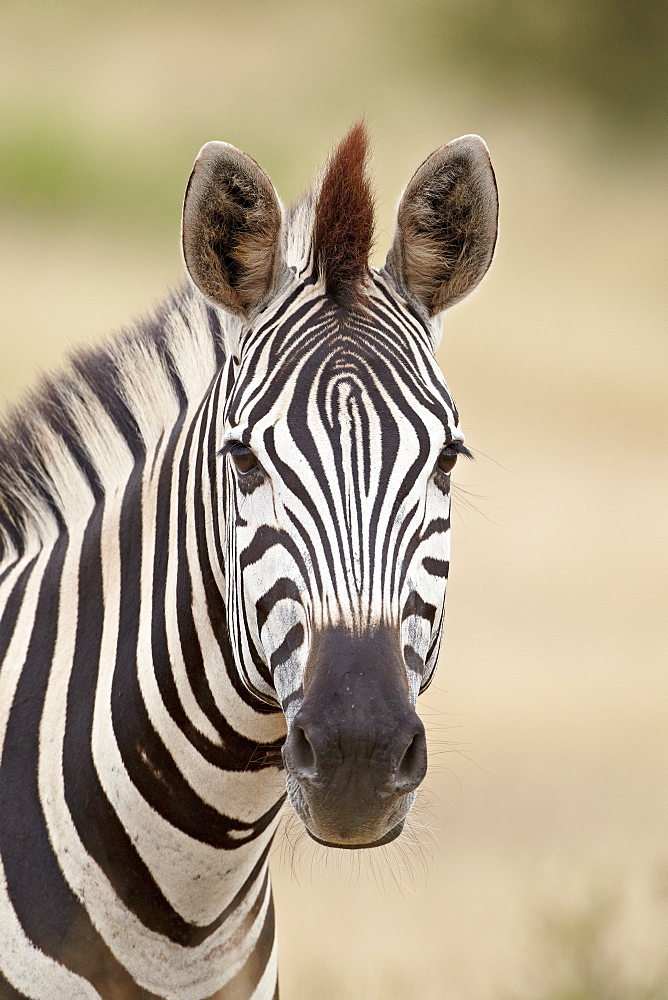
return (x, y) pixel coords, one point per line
(12, 609)
(436, 567)
(292, 482)
(415, 605)
(217, 335)
(8, 992)
(100, 371)
(283, 590)
(292, 642)
(188, 638)
(413, 660)
(439, 525)
(244, 983)
(264, 539)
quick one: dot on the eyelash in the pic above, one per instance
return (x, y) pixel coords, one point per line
(446, 461)
(239, 452)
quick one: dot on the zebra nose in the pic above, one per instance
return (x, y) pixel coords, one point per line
(299, 755)
(412, 766)
(393, 761)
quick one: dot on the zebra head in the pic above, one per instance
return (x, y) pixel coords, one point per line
(338, 435)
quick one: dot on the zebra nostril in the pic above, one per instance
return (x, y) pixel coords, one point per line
(300, 754)
(413, 764)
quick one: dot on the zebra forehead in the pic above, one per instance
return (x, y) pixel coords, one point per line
(339, 407)
(381, 345)
(311, 388)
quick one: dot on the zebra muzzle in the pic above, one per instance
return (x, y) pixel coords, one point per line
(356, 750)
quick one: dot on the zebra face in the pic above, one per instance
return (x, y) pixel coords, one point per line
(338, 476)
(338, 437)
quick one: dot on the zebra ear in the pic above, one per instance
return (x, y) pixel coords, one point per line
(231, 229)
(446, 225)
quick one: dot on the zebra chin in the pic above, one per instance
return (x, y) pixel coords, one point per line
(385, 839)
(352, 825)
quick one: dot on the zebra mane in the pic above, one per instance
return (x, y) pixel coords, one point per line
(333, 224)
(68, 440)
(343, 220)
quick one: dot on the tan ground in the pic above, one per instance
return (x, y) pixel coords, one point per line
(548, 788)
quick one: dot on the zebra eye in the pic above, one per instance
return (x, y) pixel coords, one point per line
(447, 460)
(244, 459)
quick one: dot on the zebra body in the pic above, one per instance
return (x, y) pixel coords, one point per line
(224, 544)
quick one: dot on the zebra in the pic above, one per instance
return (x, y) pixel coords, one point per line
(224, 548)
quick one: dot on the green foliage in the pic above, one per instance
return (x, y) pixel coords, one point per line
(602, 65)
(609, 58)
(51, 166)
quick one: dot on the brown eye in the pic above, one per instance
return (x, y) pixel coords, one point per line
(447, 460)
(244, 459)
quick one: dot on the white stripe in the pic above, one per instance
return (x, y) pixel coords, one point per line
(13, 663)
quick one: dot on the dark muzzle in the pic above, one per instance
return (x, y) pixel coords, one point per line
(356, 749)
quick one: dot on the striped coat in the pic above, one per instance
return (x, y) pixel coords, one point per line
(224, 546)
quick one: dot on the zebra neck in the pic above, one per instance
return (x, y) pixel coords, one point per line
(153, 784)
(181, 727)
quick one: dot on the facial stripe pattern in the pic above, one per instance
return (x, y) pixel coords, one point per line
(338, 410)
(224, 548)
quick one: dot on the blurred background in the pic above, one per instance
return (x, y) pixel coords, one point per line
(536, 866)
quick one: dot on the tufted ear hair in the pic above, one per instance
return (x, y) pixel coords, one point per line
(446, 225)
(231, 232)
